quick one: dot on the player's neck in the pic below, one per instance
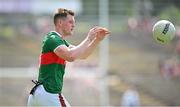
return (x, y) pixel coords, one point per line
(60, 33)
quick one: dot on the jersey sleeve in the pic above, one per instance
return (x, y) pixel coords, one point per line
(54, 41)
(67, 43)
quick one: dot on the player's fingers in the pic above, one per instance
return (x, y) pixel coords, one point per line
(103, 31)
(107, 32)
(95, 27)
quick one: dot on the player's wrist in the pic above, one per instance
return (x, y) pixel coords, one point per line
(88, 39)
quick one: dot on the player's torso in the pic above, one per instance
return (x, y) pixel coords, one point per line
(52, 68)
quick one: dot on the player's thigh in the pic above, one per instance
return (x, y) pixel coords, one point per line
(56, 100)
(31, 101)
(45, 98)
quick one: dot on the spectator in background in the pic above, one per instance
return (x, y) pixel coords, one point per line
(166, 68)
(130, 98)
(170, 68)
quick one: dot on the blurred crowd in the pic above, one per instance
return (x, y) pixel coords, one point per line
(170, 67)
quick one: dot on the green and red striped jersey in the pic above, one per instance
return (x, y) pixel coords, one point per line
(52, 67)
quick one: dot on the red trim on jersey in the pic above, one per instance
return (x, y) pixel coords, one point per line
(50, 58)
(62, 101)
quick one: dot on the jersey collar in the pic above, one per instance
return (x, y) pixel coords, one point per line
(57, 33)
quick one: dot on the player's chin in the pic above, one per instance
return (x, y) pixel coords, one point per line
(70, 33)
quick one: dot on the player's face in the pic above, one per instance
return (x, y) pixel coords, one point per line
(68, 25)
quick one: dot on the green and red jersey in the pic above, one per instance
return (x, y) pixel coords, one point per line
(52, 67)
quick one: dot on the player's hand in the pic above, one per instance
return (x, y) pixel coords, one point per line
(92, 33)
(101, 33)
(98, 33)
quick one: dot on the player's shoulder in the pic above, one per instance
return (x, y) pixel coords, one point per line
(52, 36)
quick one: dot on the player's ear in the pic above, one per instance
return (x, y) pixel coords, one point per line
(59, 22)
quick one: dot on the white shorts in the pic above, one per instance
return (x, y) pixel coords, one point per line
(43, 98)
